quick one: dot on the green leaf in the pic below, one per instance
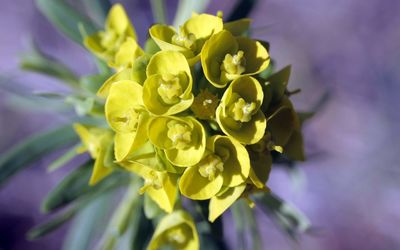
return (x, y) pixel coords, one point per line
(63, 159)
(277, 84)
(130, 204)
(242, 9)
(75, 185)
(32, 149)
(97, 9)
(51, 225)
(151, 209)
(87, 223)
(64, 17)
(186, 8)
(290, 219)
(158, 9)
(39, 62)
(92, 83)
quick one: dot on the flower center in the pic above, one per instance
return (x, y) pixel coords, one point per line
(241, 110)
(176, 236)
(152, 180)
(128, 120)
(184, 39)
(204, 104)
(170, 89)
(210, 166)
(233, 66)
(180, 134)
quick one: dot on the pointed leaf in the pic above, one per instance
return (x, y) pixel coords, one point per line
(30, 150)
(64, 17)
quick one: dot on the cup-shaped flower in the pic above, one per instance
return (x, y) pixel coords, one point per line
(168, 87)
(97, 142)
(225, 58)
(126, 54)
(161, 186)
(183, 139)
(127, 117)
(191, 36)
(239, 114)
(118, 27)
(226, 163)
(176, 230)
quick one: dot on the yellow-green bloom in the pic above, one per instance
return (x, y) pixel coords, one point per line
(127, 117)
(127, 53)
(182, 138)
(225, 58)
(204, 105)
(135, 71)
(168, 87)
(118, 27)
(161, 186)
(176, 230)
(239, 113)
(226, 163)
(97, 141)
(191, 36)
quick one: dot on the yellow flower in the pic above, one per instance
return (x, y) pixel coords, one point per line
(191, 36)
(97, 141)
(176, 230)
(168, 87)
(118, 27)
(126, 55)
(127, 117)
(226, 163)
(222, 201)
(183, 139)
(161, 186)
(239, 113)
(225, 58)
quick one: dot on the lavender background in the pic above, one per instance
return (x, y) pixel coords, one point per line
(349, 47)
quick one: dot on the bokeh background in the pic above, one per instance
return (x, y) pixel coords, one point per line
(351, 182)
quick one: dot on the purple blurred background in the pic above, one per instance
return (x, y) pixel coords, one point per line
(347, 47)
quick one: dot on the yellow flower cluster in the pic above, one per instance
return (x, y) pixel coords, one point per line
(192, 117)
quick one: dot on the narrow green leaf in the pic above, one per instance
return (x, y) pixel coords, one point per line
(97, 9)
(63, 159)
(92, 83)
(158, 9)
(51, 225)
(242, 9)
(64, 17)
(87, 223)
(130, 204)
(75, 185)
(186, 8)
(251, 224)
(30, 150)
(292, 221)
(239, 221)
(151, 209)
(37, 61)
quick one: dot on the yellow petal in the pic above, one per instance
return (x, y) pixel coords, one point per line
(118, 20)
(193, 185)
(257, 57)
(238, 27)
(219, 204)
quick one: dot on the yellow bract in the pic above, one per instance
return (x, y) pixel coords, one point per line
(226, 163)
(239, 113)
(176, 230)
(183, 139)
(126, 115)
(97, 141)
(118, 28)
(190, 38)
(225, 58)
(168, 87)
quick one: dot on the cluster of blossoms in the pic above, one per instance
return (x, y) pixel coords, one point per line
(196, 113)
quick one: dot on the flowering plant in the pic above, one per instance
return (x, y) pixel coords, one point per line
(192, 121)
